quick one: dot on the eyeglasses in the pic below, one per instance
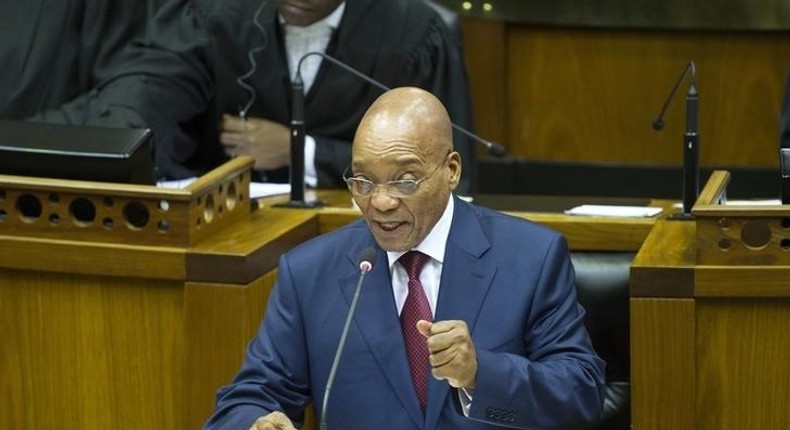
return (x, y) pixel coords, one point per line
(398, 188)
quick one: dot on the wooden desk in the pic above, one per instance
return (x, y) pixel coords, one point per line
(710, 311)
(104, 333)
(583, 233)
(109, 325)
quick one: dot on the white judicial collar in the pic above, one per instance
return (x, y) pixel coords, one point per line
(314, 37)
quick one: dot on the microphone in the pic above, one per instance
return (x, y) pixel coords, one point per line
(493, 148)
(690, 139)
(297, 138)
(297, 148)
(366, 259)
(658, 121)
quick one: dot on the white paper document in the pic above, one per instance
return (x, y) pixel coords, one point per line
(767, 202)
(614, 210)
(257, 189)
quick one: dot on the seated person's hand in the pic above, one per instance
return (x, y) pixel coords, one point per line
(453, 356)
(273, 421)
(268, 142)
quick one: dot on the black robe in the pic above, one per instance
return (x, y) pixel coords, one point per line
(52, 52)
(784, 120)
(186, 74)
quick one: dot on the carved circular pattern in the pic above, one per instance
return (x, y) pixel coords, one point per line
(81, 211)
(29, 208)
(756, 234)
(136, 215)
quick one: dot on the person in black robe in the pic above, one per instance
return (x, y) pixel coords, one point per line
(784, 120)
(54, 53)
(185, 77)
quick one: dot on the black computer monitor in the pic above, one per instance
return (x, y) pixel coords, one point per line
(86, 153)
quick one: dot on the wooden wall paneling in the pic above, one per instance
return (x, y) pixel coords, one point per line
(220, 320)
(743, 281)
(662, 365)
(88, 258)
(107, 351)
(590, 94)
(485, 44)
(743, 349)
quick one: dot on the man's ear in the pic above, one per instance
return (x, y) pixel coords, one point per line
(455, 169)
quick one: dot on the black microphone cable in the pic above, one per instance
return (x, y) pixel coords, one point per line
(493, 148)
(242, 79)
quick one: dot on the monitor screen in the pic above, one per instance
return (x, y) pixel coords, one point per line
(85, 153)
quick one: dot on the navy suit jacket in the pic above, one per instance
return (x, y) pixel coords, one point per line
(509, 279)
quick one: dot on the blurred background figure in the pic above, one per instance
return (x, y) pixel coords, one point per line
(213, 79)
(53, 54)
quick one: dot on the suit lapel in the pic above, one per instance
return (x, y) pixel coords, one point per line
(345, 47)
(275, 83)
(377, 320)
(466, 279)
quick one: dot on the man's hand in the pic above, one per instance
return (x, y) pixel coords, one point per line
(273, 421)
(453, 356)
(268, 142)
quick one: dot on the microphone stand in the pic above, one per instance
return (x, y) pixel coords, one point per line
(297, 148)
(690, 154)
(690, 142)
(784, 165)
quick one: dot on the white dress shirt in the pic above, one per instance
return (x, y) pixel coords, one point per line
(433, 246)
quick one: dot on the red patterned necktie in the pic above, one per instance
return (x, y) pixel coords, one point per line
(415, 308)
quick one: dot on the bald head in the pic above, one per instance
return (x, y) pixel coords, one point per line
(408, 114)
(403, 153)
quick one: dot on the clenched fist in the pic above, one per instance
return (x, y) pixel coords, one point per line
(273, 421)
(453, 356)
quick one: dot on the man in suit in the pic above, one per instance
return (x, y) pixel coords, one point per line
(483, 332)
(214, 79)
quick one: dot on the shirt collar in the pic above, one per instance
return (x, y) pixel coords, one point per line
(436, 242)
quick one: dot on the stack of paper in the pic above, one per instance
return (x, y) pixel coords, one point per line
(257, 189)
(613, 210)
